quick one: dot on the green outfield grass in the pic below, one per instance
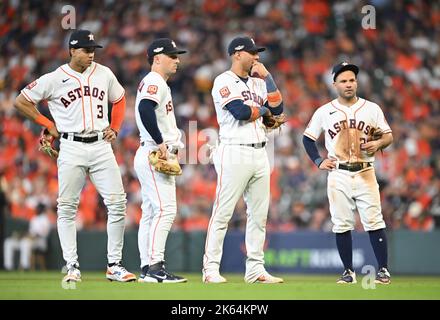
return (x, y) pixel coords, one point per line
(47, 285)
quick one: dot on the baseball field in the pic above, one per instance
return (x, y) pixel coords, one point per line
(47, 285)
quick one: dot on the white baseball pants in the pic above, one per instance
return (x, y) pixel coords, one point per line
(158, 208)
(77, 160)
(241, 170)
(350, 190)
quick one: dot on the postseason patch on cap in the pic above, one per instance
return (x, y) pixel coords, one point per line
(224, 92)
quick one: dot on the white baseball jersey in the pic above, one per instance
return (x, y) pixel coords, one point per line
(228, 87)
(346, 128)
(154, 87)
(77, 101)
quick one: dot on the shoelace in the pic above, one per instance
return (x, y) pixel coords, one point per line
(121, 267)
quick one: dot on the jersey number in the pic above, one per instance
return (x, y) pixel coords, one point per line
(100, 111)
(169, 107)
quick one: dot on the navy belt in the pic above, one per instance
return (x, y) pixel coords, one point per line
(88, 139)
(255, 145)
(353, 167)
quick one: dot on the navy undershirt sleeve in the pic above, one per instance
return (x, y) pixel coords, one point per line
(239, 110)
(312, 150)
(149, 120)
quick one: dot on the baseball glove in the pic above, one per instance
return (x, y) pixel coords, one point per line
(375, 134)
(272, 122)
(169, 166)
(46, 144)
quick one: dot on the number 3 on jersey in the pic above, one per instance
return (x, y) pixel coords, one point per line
(100, 111)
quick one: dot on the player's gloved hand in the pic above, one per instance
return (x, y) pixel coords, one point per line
(169, 166)
(46, 144)
(373, 144)
(272, 122)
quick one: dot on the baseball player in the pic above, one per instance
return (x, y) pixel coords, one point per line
(158, 131)
(78, 94)
(348, 122)
(241, 160)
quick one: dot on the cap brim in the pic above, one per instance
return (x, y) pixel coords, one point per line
(93, 45)
(348, 67)
(255, 49)
(176, 52)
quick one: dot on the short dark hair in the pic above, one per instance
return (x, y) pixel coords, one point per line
(150, 60)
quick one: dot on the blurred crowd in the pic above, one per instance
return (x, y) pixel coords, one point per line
(400, 70)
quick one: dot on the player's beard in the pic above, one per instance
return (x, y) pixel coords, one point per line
(349, 95)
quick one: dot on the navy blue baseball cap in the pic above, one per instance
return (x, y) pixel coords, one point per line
(344, 66)
(165, 46)
(243, 44)
(82, 39)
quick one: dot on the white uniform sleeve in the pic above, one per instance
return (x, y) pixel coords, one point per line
(39, 89)
(314, 128)
(381, 121)
(152, 91)
(115, 90)
(225, 90)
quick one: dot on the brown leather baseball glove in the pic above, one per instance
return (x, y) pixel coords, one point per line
(46, 144)
(169, 166)
(272, 122)
(375, 134)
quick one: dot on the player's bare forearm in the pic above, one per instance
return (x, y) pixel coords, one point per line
(274, 97)
(26, 107)
(29, 110)
(386, 140)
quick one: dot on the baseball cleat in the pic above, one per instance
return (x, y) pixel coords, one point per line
(143, 273)
(214, 278)
(268, 279)
(73, 273)
(158, 274)
(348, 277)
(383, 276)
(118, 273)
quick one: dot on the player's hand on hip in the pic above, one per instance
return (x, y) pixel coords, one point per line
(163, 151)
(259, 70)
(328, 164)
(109, 134)
(54, 132)
(371, 147)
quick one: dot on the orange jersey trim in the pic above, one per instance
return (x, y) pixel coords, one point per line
(118, 112)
